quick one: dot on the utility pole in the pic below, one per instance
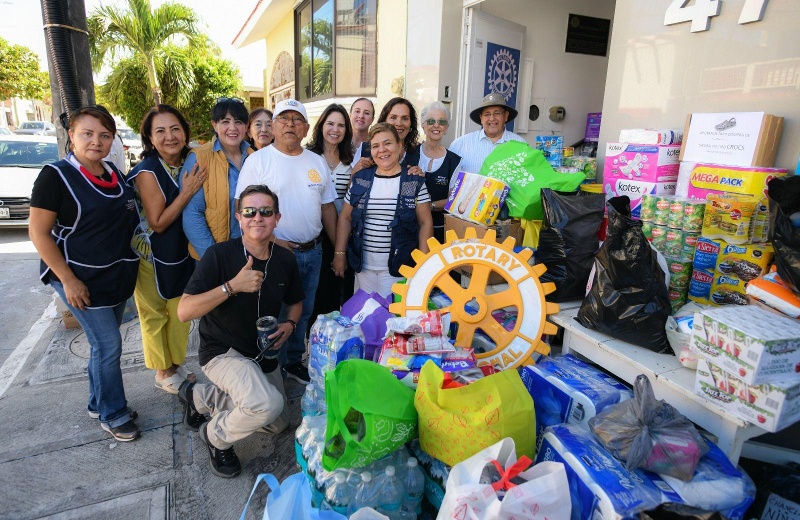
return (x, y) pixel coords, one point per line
(68, 60)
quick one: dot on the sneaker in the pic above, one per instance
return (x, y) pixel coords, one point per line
(96, 415)
(297, 372)
(224, 463)
(192, 419)
(124, 432)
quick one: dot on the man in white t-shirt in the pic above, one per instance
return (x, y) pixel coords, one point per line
(302, 181)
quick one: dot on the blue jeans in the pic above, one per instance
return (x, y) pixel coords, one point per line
(309, 262)
(106, 393)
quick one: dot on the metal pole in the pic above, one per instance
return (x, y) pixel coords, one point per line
(68, 59)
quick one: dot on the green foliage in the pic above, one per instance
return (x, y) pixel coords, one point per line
(19, 73)
(143, 33)
(212, 78)
(159, 55)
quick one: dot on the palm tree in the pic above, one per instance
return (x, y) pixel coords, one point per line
(144, 35)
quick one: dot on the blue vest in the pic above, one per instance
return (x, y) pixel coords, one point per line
(171, 261)
(405, 228)
(438, 184)
(97, 247)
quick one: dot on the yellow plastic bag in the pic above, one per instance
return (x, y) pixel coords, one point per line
(457, 423)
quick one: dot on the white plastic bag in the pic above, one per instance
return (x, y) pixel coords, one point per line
(543, 494)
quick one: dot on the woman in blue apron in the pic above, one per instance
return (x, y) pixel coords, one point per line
(165, 266)
(83, 215)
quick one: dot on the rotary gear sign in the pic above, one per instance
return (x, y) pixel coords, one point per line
(525, 292)
(502, 74)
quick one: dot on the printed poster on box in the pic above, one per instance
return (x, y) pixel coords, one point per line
(502, 74)
(723, 138)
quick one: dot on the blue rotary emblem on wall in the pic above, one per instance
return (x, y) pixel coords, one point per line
(502, 73)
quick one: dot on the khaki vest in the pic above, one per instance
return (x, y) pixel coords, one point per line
(215, 190)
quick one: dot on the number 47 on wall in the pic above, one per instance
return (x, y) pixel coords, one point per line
(702, 11)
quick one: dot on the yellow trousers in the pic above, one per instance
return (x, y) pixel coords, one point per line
(164, 336)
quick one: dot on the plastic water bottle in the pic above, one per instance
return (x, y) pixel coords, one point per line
(390, 494)
(365, 494)
(337, 496)
(413, 489)
(308, 404)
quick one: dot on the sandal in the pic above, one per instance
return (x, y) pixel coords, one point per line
(189, 376)
(170, 384)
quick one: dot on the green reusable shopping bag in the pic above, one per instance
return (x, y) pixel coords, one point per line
(370, 414)
(525, 170)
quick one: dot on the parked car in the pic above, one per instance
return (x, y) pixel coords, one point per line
(21, 159)
(36, 128)
(133, 145)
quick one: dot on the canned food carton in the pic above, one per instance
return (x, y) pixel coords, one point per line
(648, 211)
(661, 214)
(673, 245)
(689, 245)
(693, 211)
(659, 237)
(675, 216)
(680, 273)
(647, 229)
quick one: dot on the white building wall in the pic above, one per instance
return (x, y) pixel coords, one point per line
(657, 74)
(574, 81)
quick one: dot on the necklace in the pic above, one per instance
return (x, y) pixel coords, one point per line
(334, 164)
(266, 267)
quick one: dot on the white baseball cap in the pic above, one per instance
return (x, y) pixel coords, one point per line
(290, 104)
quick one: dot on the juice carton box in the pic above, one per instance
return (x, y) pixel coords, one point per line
(755, 345)
(476, 198)
(772, 406)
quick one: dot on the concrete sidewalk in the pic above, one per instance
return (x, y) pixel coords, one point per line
(56, 462)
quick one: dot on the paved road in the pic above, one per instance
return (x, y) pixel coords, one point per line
(23, 297)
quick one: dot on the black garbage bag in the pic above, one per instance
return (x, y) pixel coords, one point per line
(568, 241)
(784, 199)
(628, 299)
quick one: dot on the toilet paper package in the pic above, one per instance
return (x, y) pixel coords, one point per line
(567, 390)
(602, 489)
(600, 486)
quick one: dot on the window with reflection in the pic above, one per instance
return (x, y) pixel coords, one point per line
(336, 47)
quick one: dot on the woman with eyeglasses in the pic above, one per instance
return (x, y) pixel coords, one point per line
(83, 216)
(386, 215)
(165, 266)
(210, 216)
(332, 139)
(259, 131)
(437, 162)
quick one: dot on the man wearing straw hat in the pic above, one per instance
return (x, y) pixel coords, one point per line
(492, 114)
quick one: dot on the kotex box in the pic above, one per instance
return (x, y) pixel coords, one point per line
(772, 406)
(635, 190)
(645, 162)
(476, 198)
(567, 390)
(755, 345)
(602, 488)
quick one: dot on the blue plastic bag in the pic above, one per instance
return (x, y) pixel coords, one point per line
(290, 499)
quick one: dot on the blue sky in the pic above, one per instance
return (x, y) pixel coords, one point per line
(21, 23)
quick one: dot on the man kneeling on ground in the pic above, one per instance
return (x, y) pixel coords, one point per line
(234, 284)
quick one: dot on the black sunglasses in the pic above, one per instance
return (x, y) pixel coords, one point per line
(264, 211)
(224, 99)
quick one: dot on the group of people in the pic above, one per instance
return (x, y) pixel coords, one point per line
(251, 224)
